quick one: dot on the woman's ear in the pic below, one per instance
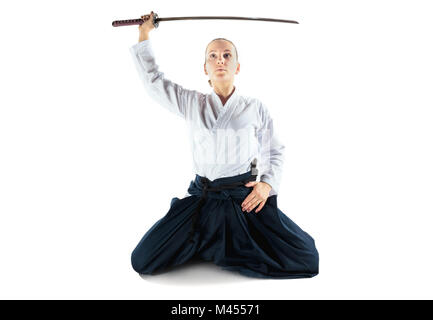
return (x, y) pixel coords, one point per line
(238, 69)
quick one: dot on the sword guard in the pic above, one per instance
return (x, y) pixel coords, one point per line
(155, 20)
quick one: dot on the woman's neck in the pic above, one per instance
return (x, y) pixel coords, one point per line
(224, 92)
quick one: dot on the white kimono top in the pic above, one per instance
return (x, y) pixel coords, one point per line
(224, 138)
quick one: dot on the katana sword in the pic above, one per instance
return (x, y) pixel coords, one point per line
(156, 20)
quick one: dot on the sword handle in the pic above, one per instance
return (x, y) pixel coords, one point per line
(130, 22)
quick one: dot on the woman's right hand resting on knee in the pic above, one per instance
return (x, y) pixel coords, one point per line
(146, 26)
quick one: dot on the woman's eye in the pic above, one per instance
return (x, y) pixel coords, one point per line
(213, 55)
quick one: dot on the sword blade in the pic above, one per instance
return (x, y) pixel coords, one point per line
(225, 18)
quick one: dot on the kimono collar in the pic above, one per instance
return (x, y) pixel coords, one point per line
(232, 97)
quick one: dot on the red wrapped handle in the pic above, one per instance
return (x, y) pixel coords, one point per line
(130, 22)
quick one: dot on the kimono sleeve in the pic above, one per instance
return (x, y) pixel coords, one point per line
(165, 92)
(271, 155)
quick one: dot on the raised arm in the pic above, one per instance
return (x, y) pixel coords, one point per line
(271, 158)
(167, 93)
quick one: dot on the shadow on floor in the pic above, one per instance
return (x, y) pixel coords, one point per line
(196, 272)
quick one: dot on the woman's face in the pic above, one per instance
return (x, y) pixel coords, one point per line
(221, 62)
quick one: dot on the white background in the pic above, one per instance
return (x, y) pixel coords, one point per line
(88, 162)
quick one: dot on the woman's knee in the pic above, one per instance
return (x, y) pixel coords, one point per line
(314, 261)
(139, 262)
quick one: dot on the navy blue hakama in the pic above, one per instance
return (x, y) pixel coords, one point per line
(266, 244)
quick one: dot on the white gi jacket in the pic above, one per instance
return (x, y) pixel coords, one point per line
(224, 139)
